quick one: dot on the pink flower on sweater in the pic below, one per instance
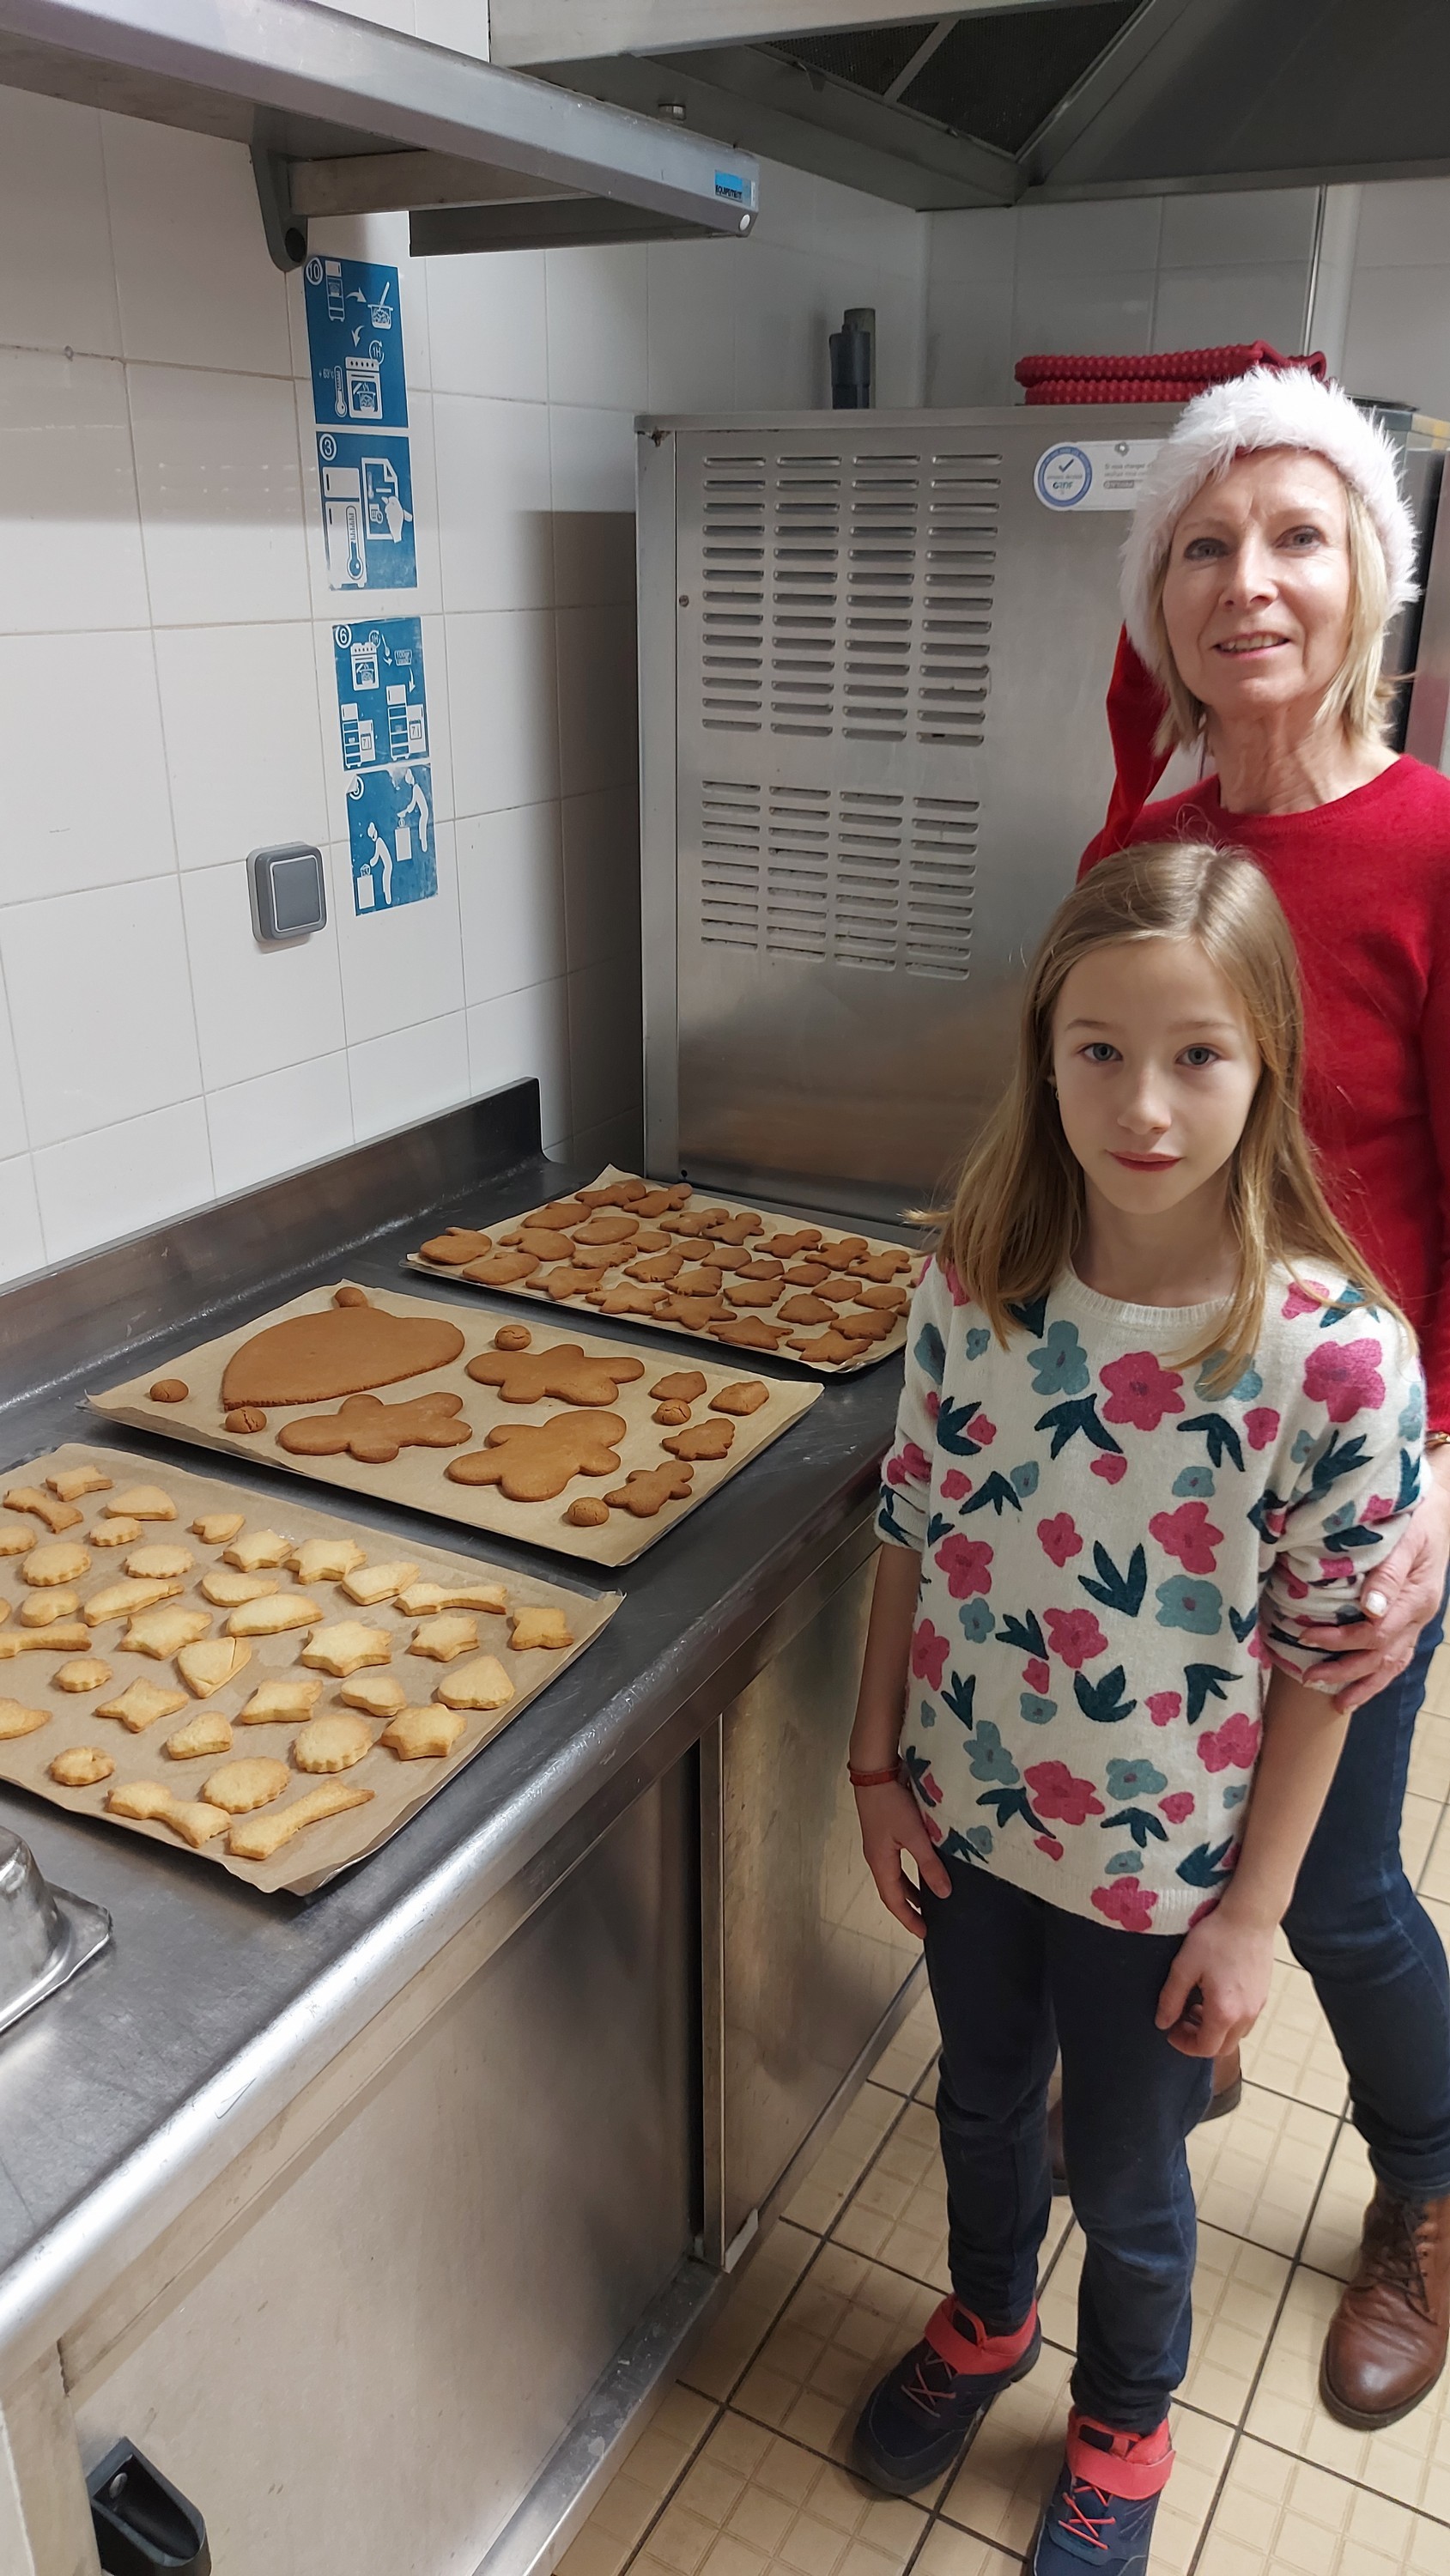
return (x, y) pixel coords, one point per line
(1036, 1674)
(1112, 1466)
(1048, 1843)
(1127, 1904)
(983, 1431)
(1059, 1537)
(929, 1651)
(1055, 1792)
(1189, 1535)
(959, 1294)
(909, 1466)
(933, 1404)
(955, 1486)
(1345, 1378)
(1164, 1706)
(967, 1565)
(1140, 1390)
(1234, 1746)
(1380, 1507)
(1262, 1426)
(1179, 1804)
(1303, 1301)
(1074, 1636)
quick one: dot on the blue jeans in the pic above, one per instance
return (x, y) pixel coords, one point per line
(1374, 1954)
(1014, 1980)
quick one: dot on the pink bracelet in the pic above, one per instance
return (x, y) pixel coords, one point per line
(873, 1779)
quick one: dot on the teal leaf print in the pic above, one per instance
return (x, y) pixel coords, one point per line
(888, 1521)
(1344, 1304)
(960, 1696)
(1204, 1865)
(1268, 1514)
(1065, 1421)
(1009, 1802)
(974, 1844)
(1031, 1314)
(1201, 1683)
(930, 1354)
(1340, 1457)
(977, 1622)
(1409, 1490)
(1134, 1779)
(989, 1757)
(1024, 1478)
(1035, 1710)
(918, 1772)
(1190, 1601)
(1141, 1823)
(1024, 1633)
(938, 1528)
(1243, 1622)
(1220, 1438)
(994, 1489)
(1195, 1484)
(1103, 1700)
(953, 1430)
(978, 1342)
(1059, 1364)
(1117, 1591)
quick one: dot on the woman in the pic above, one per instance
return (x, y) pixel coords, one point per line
(1268, 550)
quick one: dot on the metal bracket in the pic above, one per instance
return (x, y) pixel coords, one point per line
(286, 231)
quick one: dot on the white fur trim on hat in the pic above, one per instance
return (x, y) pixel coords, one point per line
(1269, 407)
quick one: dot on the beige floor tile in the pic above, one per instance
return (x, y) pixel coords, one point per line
(1409, 2462)
(846, 2324)
(898, 2211)
(911, 2054)
(1280, 2517)
(1437, 1693)
(1435, 1880)
(1439, 1912)
(1291, 2049)
(1334, 2230)
(1430, 1753)
(842, 2161)
(635, 2494)
(950, 2552)
(753, 2505)
(1236, 2294)
(1419, 1824)
(1256, 2171)
(1007, 2475)
(754, 2303)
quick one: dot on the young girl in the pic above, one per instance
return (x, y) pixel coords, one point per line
(1157, 1417)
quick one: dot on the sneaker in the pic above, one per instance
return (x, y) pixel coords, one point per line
(1100, 2513)
(917, 2419)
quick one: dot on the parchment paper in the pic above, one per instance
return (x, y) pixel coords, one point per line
(400, 1788)
(417, 1477)
(613, 1278)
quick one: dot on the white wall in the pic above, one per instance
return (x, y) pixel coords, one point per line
(165, 656)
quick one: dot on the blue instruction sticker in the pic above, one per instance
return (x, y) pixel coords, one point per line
(355, 337)
(382, 713)
(366, 478)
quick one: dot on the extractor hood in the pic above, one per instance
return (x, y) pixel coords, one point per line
(343, 117)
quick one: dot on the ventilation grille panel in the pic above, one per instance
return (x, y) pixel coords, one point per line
(848, 876)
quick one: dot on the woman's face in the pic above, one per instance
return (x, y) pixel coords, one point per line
(1258, 591)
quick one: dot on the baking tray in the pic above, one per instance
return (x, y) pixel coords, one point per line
(418, 1478)
(400, 1788)
(786, 1338)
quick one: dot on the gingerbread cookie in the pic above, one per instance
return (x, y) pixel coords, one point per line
(839, 1291)
(627, 1299)
(564, 1371)
(737, 1229)
(702, 1281)
(828, 1350)
(560, 1214)
(672, 1414)
(702, 1440)
(806, 1274)
(512, 1337)
(752, 1292)
(615, 1194)
(659, 1202)
(595, 1258)
(803, 1308)
(757, 1267)
(607, 1227)
(882, 1265)
(245, 1417)
(533, 1461)
(866, 1324)
(456, 1245)
(695, 1313)
(587, 1513)
(803, 1239)
(724, 1256)
(648, 1239)
(646, 1490)
(847, 1247)
(747, 1395)
(541, 1242)
(502, 1269)
(374, 1432)
(659, 1266)
(170, 1390)
(749, 1333)
(696, 1220)
(680, 1386)
(343, 1350)
(566, 1281)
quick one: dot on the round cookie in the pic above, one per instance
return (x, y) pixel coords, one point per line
(170, 1390)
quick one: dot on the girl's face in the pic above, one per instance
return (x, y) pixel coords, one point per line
(1256, 599)
(1156, 1069)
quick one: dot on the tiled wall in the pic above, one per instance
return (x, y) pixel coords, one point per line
(165, 657)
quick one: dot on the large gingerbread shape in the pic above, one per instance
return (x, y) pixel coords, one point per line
(343, 1350)
(565, 1371)
(374, 1432)
(533, 1460)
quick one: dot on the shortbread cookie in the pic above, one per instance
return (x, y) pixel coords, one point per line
(140, 1704)
(273, 1700)
(747, 1395)
(61, 1560)
(325, 1560)
(49, 1508)
(164, 1564)
(149, 1802)
(72, 1482)
(258, 1549)
(481, 1684)
(457, 1244)
(370, 1584)
(540, 1627)
(230, 1590)
(344, 1349)
(502, 1269)
(264, 1835)
(701, 1440)
(373, 1432)
(208, 1733)
(81, 1767)
(452, 1633)
(143, 1800)
(512, 1337)
(49, 1609)
(213, 1663)
(159, 1633)
(82, 1673)
(123, 1600)
(646, 1490)
(749, 1333)
(15, 1719)
(141, 1503)
(251, 1781)
(418, 1734)
(61, 1637)
(587, 1513)
(534, 1460)
(244, 1418)
(273, 1616)
(417, 1600)
(376, 1694)
(122, 1533)
(170, 1390)
(346, 1646)
(331, 1744)
(17, 1538)
(215, 1528)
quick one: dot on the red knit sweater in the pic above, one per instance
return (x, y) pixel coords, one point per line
(1365, 886)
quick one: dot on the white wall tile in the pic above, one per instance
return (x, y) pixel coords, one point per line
(279, 1122)
(601, 874)
(503, 710)
(976, 242)
(1397, 341)
(511, 900)
(969, 349)
(398, 967)
(1111, 233)
(1110, 311)
(88, 802)
(488, 323)
(695, 290)
(119, 1180)
(593, 515)
(598, 325)
(412, 1074)
(493, 502)
(1404, 223)
(1237, 227)
(789, 204)
(14, 1135)
(459, 25)
(110, 967)
(257, 1009)
(525, 1034)
(221, 495)
(22, 1245)
(70, 535)
(598, 701)
(1206, 308)
(243, 739)
(781, 327)
(57, 281)
(606, 1054)
(196, 285)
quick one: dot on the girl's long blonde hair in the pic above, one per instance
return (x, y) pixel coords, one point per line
(1020, 1205)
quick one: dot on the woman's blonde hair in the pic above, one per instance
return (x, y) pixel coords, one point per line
(1020, 1205)
(1359, 697)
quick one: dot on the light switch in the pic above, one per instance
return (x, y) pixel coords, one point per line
(288, 892)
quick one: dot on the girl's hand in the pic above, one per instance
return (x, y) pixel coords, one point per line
(892, 1830)
(1399, 1596)
(1229, 1962)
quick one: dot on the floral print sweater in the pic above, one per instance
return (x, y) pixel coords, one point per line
(1112, 1554)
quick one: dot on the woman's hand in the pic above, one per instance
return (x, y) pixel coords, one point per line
(1398, 1597)
(892, 1830)
(1230, 1962)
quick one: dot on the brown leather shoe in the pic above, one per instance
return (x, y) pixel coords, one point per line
(1228, 2092)
(1387, 2339)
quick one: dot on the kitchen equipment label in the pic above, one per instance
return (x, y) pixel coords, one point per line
(382, 712)
(355, 337)
(1093, 473)
(366, 482)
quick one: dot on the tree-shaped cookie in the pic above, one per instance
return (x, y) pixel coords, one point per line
(533, 1460)
(565, 1370)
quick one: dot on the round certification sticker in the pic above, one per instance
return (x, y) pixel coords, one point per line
(1063, 477)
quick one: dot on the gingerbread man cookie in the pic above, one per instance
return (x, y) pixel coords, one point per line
(374, 1432)
(534, 1460)
(616, 1194)
(646, 1490)
(564, 1371)
(882, 1265)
